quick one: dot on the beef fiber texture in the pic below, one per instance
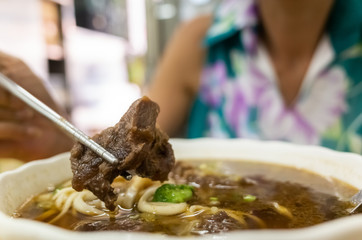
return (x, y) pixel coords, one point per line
(135, 141)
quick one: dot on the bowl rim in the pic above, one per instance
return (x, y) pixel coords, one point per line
(331, 229)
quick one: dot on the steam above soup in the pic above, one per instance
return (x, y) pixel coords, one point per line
(200, 197)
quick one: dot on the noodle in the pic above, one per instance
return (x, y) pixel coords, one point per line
(128, 199)
(159, 208)
(282, 210)
(237, 215)
(47, 214)
(81, 206)
(65, 207)
(67, 198)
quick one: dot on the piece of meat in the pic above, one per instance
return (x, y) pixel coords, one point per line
(217, 223)
(123, 223)
(140, 146)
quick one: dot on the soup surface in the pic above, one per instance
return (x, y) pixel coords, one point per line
(226, 196)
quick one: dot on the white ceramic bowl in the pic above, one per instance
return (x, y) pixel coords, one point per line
(33, 178)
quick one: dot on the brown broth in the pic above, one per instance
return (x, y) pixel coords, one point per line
(309, 198)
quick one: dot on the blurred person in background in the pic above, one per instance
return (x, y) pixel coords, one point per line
(261, 69)
(24, 133)
(267, 69)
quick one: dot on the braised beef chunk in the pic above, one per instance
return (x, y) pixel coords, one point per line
(123, 223)
(140, 146)
(217, 223)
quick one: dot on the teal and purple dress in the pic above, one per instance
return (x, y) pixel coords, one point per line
(239, 96)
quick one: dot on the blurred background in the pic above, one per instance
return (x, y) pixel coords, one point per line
(94, 55)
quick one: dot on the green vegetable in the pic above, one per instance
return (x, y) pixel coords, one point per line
(214, 199)
(57, 190)
(249, 198)
(173, 193)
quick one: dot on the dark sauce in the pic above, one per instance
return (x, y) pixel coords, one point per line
(246, 195)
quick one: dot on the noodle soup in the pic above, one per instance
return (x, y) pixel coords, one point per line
(222, 196)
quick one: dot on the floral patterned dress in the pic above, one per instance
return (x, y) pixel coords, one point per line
(239, 94)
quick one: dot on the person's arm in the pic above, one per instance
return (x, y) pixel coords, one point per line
(177, 77)
(25, 134)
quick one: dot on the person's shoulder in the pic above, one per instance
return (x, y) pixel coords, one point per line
(196, 28)
(185, 54)
(198, 24)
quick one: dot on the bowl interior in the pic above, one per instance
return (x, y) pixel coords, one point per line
(33, 178)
